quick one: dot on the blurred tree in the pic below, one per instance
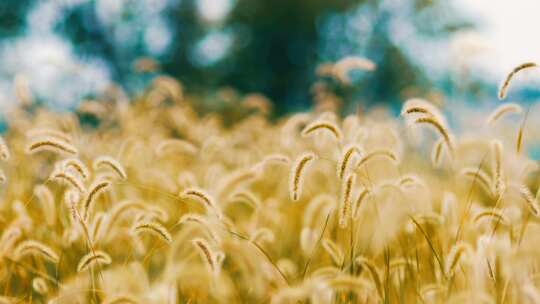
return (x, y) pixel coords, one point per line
(12, 17)
(272, 47)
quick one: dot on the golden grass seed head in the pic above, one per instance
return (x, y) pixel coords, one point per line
(236, 179)
(385, 153)
(506, 108)
(71, 180)
(323, 125)
(506, 82)
(50, 144)
(203, 222)
(78, 166)
(519, 138)
(480, 177)
(497, 165)
(122, 207)
(441, 129)
(156, 212)
(341, 68)
(333, 251)
(93, 258)
(437, 153)
(169, 146)
(456, 252)
(71, 200)
(109, 162)
(97, 188)
(201, 196)
(204, 249)
(410, 180)
(10, 236)
(262, 235)
(246, 197)
(193, 217)
(298, 172)
(423, 108)
(317, 208)
(28, 247)
(362, 194)
(346, 197)
(155, 228)
(274, 158)
(528, 197)
(346, 157)
(495, 215)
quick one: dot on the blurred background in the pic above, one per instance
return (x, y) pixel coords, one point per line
(68, 50)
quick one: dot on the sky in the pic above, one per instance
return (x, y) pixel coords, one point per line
(506, 35)
(508, 30)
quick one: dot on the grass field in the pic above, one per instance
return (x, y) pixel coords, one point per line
(149, 201)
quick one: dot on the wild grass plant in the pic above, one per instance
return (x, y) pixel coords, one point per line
(152, 202)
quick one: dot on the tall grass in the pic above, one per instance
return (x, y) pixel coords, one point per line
(312, 208)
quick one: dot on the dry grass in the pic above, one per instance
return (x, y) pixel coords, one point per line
(311, 208)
